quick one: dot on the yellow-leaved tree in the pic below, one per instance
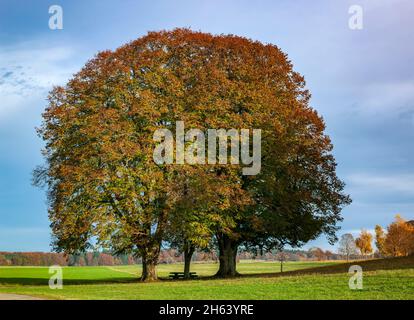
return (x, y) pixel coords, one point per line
(399, 240)
(380, 239)
(364, 242)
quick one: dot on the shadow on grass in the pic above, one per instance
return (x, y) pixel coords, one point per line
(43, 281)
(367, 265)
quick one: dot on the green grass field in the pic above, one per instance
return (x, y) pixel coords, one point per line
(383, 279)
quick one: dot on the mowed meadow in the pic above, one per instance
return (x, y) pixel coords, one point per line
(382, 279)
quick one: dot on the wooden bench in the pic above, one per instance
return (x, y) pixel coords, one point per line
(180, 275)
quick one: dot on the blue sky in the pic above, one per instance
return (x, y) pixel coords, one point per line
(362, 83)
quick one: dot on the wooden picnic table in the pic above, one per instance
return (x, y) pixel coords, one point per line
(180, 275)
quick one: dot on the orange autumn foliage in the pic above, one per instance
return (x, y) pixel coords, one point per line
(399, 239)
(364, 242)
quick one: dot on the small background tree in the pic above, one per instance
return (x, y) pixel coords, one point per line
(364, 243)
(347, 246)
(282, 257)
(380, 240)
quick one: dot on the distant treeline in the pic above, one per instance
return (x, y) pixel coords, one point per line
(166, 257)
(48, 259)
(89, 258)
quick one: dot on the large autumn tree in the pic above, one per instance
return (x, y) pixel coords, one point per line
(104, 185)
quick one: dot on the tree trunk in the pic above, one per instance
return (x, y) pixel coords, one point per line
(149, 262)
(188, 253)
(227, 257)
(150, 249)
(148, 271)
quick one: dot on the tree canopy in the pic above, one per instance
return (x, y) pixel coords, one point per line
(104, 186)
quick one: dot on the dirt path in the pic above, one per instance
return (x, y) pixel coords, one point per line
(10, 296)
(123, 271)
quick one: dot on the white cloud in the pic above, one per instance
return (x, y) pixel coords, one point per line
(28, 71)
(380, 97)
(400, 183)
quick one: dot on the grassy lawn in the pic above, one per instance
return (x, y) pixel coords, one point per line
(383, 279)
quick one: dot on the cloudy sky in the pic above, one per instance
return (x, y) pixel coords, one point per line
(362, 83)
